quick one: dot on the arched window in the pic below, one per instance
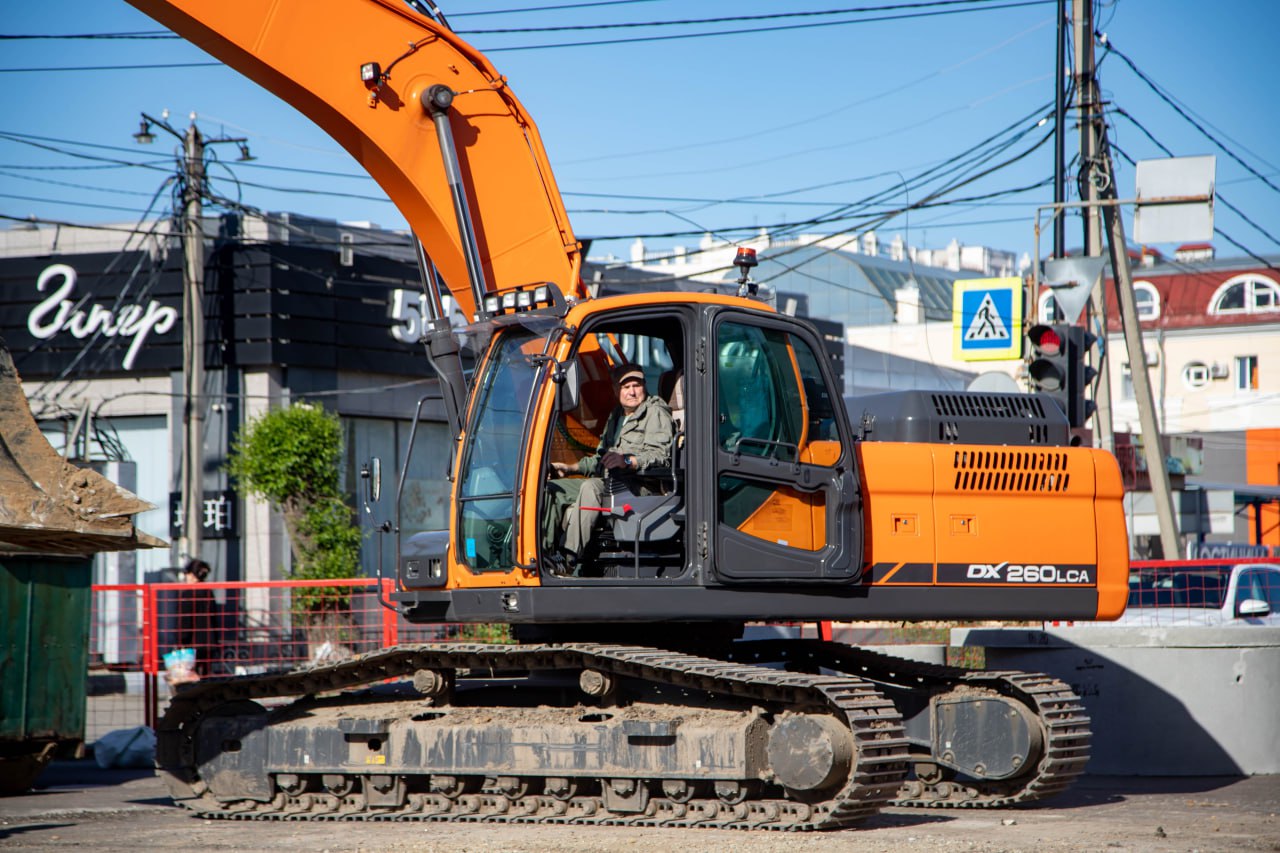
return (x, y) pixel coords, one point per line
(1148, 299)
(1250, 293)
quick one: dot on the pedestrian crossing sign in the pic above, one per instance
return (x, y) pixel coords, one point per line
(986, 318)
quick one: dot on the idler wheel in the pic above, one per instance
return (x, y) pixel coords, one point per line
(809, 752)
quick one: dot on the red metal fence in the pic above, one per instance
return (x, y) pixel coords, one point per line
(232, 629)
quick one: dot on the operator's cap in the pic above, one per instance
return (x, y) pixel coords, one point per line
(625, 372)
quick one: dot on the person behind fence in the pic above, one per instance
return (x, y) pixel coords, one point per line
(197, 616)
(637, 438)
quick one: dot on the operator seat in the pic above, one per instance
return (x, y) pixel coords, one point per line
(671, 389)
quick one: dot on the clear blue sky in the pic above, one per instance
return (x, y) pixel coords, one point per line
(842, 107)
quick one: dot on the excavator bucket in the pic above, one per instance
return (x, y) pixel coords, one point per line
(48, 505)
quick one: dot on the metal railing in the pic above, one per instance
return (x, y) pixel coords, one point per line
(232, 629)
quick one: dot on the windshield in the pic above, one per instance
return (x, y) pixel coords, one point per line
(1169, 586)
(495, 441)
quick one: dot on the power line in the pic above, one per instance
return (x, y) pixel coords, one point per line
(967, 158)
(147, 67)
(54, 139)
(1217, 195)
(135, 34)
(31, 138)
(726, 19)
(995, 6)
(69, 203)
(557, 8)
(1224, 235)
(1151, 84)
(46, 168)
(798, 122)
(63, 223)
(779, 28)
(88, 187)
(34, 143)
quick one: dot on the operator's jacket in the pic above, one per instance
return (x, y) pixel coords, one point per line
(647, 435)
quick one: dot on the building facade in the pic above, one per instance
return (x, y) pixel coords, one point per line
(295, 310)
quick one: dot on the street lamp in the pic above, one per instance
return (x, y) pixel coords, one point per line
(144, 136)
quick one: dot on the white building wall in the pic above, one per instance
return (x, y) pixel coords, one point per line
(264, 539)
(1217, 405)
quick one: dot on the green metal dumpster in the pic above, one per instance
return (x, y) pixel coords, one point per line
(44, 647)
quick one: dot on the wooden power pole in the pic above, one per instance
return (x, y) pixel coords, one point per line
(1099, 180)
(189, 544)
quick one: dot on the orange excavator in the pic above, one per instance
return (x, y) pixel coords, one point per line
(633, 694)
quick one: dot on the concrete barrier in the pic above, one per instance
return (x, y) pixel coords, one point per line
(1184, 701)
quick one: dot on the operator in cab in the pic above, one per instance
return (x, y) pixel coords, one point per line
(637, 438)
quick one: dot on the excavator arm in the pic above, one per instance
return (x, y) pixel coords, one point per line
(364, 71)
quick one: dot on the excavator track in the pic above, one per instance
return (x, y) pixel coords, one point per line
(875, 772)
(1065, 727)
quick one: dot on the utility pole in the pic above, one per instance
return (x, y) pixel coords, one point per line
(191, 466)
(1059, 133)
(192, 344)
(1090, 113)
(1099, 176)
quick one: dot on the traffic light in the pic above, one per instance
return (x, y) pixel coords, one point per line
(1079, 376)
(1058, 368)
(1049, 369)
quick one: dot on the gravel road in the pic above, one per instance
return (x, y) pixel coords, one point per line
(81, 806)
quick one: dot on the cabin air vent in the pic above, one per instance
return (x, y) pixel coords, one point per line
(1004, 406)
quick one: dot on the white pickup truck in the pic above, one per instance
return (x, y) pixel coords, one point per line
(1201, 592)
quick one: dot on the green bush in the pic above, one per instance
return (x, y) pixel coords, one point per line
(290, 457)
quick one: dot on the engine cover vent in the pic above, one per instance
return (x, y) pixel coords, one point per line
(1010, 471)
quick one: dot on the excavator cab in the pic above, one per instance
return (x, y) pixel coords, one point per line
(761, 484)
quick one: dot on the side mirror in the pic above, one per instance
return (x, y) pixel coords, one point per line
(568, 396)
(1253, 608)
(371, 473)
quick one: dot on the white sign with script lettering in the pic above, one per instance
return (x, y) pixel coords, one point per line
(56, 313)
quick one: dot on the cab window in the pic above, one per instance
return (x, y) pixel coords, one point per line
(773, 400)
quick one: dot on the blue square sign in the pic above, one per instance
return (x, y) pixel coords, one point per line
(987, 319)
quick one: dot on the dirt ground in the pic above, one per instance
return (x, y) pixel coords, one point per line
(80, 806)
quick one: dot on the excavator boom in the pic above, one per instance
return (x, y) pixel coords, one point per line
(289, 48)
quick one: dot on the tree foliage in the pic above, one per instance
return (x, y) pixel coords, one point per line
(290, 457)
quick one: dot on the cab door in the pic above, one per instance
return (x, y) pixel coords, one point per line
(785, 492)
